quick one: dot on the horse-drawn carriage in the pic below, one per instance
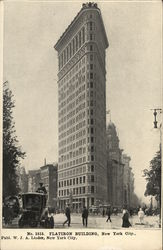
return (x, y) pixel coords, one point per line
(34, 211)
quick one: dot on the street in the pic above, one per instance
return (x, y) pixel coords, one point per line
(99, 222)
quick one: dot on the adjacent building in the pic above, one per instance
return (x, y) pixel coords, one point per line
(34, 178)
(49, 177)
(120, 178)
(128, 181)
(115, 167)
(22, 179)
(82, 163)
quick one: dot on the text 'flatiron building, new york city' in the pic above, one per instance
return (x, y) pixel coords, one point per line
(82, 163)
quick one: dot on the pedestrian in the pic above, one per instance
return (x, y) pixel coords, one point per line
(85, 216)
(103, 212)
(125, 219)
(108, 212)
(68, 215)
(141, 215)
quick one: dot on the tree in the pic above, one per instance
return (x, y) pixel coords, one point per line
(153, 178)
(12, 153)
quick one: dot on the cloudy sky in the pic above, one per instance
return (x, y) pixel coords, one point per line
(133, 64)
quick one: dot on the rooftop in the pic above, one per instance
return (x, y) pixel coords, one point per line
(85, 6)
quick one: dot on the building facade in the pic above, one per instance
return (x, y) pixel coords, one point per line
(34, 178)
(128, 182)
(82, 163)
(115, 167)
(22, 179)
(49, 177)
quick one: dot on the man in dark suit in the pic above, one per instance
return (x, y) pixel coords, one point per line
(68, 215)
(85, 216)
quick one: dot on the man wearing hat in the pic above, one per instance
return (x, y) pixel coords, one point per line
(41, 188)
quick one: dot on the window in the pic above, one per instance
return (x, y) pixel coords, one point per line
(91, 130)
(83, 34)
(73, 46)
(76, 39)
(79, 39)
(83, 190)
(80, 179)
(92, 157)
(67, 57)
(90, 25)
(91, 66)
(92, 189)
(92, 178)
(91, 74)
(92, 168)
(76, 180)
(83, 179)
(91, 57)
(70, 51)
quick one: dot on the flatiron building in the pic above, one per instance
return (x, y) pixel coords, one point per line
(82, 162)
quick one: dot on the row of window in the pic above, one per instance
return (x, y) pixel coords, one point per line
(80, 150)
(76, 171)
(64, 83)
(72, 47)
(70, 74)
(71, 96)
(76, 181)
(71, 163)
(70, 85)
(68, 148)
(74, 162)
(78, 126)
(77, 135)
(76, 191)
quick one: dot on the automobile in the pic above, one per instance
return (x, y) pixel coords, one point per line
(34, 211)
(94, 210)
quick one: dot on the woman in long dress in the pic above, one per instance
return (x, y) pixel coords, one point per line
(125, 219)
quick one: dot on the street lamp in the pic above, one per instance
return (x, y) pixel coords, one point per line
(160, 129)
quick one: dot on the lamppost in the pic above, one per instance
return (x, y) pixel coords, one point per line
(156, 110)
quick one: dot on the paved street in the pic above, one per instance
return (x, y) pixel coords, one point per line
(99, 222)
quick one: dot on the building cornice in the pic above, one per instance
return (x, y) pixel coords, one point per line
(85, 8)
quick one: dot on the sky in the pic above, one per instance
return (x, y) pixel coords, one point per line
(133, 79)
